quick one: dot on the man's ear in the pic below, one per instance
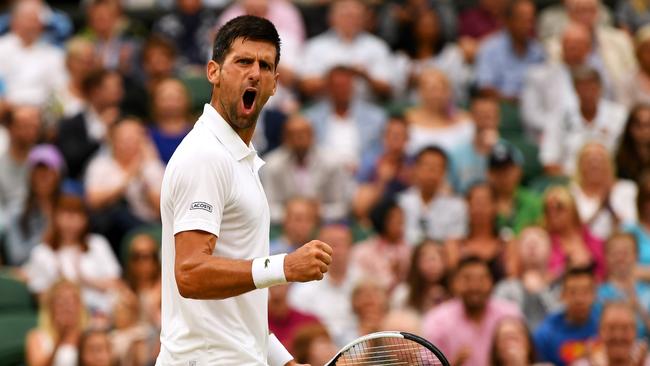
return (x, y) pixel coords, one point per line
(213, 71)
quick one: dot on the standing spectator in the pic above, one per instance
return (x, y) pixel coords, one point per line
(426, 284)
(504, 58)
(95, 348)
(27, 226)
(80, 62)
(561, 338)
(80, 137)
(532, 289)
(572, 244)
(430, 212)
(548, 88)
(298, 227)
(346, 43)
(347, 126)
(470, 159)
(593, 119)
(384, 257)
(435, 120)
(622, 284)
(284, 320)
(603, 201)
(517, 207)
(24, 126)
(641, 230)
(484, 19)
(171, 116)
(633, 152)
(188, 27)
(512, 344)
(123, 186)
(55, 339)
(618, 340)
(31, 69)
(300, 168)
(463, 327)
(636, 89)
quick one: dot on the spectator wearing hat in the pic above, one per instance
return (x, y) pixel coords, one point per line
(27, 226)
(592, 119)
(637, 85)
(516, 206)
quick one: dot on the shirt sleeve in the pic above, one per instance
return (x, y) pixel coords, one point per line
(550, 152)
(41, 270)
(486, 73)
(200, 189)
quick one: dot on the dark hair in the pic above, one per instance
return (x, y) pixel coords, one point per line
(156, 41)
(512, 5)
(585, 73)
(380, 212)
(416, 283)
(85, 336)
(94, 80)
(303, 339)
(432, 149)
(68, 202)
(31, 204)
(494, 353)
(578, 272)
(629, 162)
(472, 260)
(408, 34)
(643, 196)
(247, 27)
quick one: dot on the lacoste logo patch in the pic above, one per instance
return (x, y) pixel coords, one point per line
(201, 206)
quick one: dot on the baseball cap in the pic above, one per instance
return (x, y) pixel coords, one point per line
(504, 154)
(47, 155)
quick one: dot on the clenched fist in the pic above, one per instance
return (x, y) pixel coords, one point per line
(308, 263)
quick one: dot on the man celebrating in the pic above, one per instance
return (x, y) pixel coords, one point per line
(216, 263)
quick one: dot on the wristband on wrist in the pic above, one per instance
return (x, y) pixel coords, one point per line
(268, 271)
(277, 354)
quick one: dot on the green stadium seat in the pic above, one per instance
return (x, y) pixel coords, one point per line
(13, 331)
(14, 295)
(200, 90)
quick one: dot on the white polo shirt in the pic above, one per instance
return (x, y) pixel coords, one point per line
(212, 184)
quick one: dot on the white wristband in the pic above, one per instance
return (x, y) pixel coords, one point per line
(269, 271)
(277, 354)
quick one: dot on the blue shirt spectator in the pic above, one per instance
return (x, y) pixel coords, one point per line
(166, 144)
(642, 236)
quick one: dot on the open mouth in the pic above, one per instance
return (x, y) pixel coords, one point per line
(249, 99)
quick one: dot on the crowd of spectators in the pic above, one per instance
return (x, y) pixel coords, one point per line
(481, 169)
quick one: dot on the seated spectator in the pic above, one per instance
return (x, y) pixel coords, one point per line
(79, 137)
(57, 25)
(548, 89)
(636, 90)
(512, 344)
(641, 229)
(71, 252)
(333, 293)
(612, 48)
(285, 321)
(95, 348)
(431, 212)
(383, 173)
(633, 152)
(346, 126)
(435, 120)
(369, 305)
(384, 257)
(572, 243)
(482, 238)
(554, 18)
(142, 271)
(619, 344)
(28, 225)
(504, 58)
(171, 117)
(423, 45)
(482, 20)
(517, 207)
(55, 339)
(346, 43)
(189, 27)
(463, 327)
(426, 284)
(622, 285)
(593, 119)
(470, 159)
(132, 340)
(31, 69)
(80, 61)
(562, 337)
(300, 222)
(24, 126)
(300, 168)
(603, 201)
(313, 345)
(123, 186)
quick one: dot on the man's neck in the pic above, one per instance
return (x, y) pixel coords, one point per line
(26, 41)
(246, 134)
(172, 124)
(576, 320)
(589, 112)
(520, 46)
(18, 153)
(475, 315)
(428, 195)
(341, 109)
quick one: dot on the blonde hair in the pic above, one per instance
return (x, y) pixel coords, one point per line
(608, 158)
(46, 314)
(563, 195)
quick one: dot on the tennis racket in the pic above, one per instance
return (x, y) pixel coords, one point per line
(388, 349)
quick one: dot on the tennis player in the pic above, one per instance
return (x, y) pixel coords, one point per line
(216, 266)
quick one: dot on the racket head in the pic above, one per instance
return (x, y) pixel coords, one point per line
(389, 348)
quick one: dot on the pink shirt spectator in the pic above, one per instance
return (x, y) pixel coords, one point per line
(286, 328)
(447, 327)
(387, 263)
(557, 261)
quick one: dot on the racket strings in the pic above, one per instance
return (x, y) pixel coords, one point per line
(388, 352)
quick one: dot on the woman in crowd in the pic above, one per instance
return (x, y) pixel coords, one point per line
(370, 306)
(633, 155)
(133, 341)
(572, 243)
(436, 120)
(603, 201)
(61, 322)
(512, 344)
(71, 252)
(27, 227)
(95, 349)
(313, 345)
(641, 229)
(426, 282)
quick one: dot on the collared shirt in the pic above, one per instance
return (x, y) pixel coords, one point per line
(499, 67)
(212, 184)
